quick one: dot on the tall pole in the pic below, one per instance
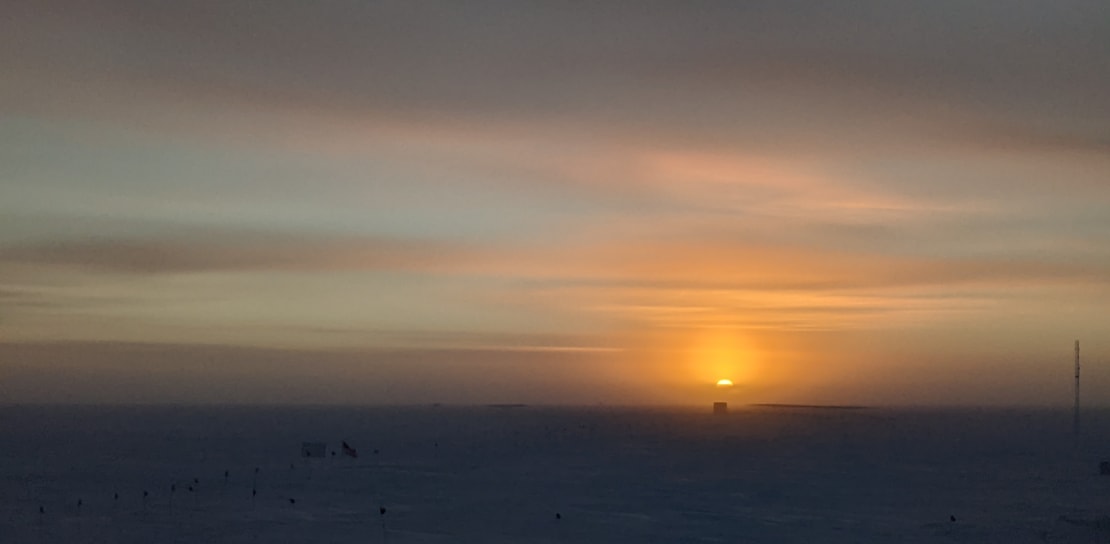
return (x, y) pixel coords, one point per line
(1075, 420)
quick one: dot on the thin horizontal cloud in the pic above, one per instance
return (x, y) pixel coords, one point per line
(17, 299)
(775, 187)
(231, 252)
(812, 310)
(1043, 138)
(745, 265)
(463, 340)
(161, 373)
(36, 298)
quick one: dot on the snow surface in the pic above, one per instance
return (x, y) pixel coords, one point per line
(484, 474)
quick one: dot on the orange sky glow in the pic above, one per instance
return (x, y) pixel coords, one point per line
(375, 203)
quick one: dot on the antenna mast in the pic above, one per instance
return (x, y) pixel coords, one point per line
(1075, 420)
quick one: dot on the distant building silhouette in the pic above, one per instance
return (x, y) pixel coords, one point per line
(720, 408)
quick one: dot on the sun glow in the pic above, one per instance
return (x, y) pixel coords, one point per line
(715, 354)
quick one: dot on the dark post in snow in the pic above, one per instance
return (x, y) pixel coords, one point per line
(381, 515)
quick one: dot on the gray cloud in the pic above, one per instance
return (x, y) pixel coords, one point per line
(760, 70)
(1026, 138)
(221, 251)
(11, 299)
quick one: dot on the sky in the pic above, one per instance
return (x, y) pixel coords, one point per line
(889, 202)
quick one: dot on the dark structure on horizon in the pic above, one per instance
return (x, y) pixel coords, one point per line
(720, 408)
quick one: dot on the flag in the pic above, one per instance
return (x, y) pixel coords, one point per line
(349, 451)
